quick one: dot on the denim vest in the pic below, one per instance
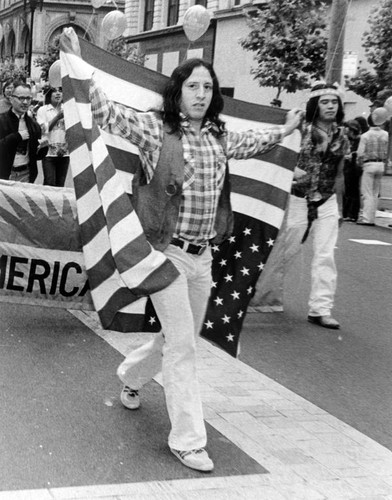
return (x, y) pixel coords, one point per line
(157, 203)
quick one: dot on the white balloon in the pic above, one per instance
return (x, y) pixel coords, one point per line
(97, 3)
(380, 116)
(196, 22)
(54, 75)
(388, 105)
(114, 24)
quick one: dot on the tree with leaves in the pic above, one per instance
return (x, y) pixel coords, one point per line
(290, 43)
(377, 42)
(51, 56)
(10, 70)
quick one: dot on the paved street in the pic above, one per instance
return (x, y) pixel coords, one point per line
(303, 414)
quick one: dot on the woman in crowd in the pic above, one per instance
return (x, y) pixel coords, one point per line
(51, 118)
(8, 88)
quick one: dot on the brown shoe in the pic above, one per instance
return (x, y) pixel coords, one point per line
(325, 321)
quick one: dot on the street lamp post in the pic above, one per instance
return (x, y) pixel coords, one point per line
(33, 5)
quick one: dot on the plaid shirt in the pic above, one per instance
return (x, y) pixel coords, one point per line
(204, 158)
(373, 145)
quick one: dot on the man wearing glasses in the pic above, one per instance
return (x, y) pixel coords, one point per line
(20, 134)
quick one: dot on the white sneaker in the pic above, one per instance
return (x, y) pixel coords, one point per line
(195, 459)
(130, 398)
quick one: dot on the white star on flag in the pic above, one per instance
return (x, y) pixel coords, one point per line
(245, 271)
(226, 319)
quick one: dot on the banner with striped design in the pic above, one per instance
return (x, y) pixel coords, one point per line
(120, 264)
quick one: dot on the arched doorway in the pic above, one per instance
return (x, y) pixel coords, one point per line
(10, 46)
(25, 44)
(82, 33)
(2, 50)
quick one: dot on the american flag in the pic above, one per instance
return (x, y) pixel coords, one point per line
(122, 267)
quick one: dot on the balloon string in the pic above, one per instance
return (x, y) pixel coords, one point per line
(115, 4)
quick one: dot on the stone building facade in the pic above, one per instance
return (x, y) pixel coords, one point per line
(156, 25)
(44, 20)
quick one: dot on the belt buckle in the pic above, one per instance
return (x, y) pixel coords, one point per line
(201, 249)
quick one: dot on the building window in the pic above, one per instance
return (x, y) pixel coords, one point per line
(201, 2)
(148, 15)
(172, 17)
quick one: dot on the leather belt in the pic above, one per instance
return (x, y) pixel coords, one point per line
(374, 160)
(188, 247)
(20, 168)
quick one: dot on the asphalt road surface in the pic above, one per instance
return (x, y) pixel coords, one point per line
(347, 372)
(61, 421)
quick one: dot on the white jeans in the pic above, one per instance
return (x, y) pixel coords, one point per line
(324, 233)
(181, 308)
(370, 189)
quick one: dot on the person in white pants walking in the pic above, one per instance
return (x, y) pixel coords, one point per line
(371, 155)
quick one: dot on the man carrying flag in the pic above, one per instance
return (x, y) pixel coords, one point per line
(181, 195)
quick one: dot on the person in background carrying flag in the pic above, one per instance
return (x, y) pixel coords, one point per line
(181, 195)
(315, 208)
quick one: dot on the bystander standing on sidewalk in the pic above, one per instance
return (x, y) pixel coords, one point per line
(51, 118)
(371, 156)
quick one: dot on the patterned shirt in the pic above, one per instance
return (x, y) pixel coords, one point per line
(320, 161)
(56, 137)
(373, 145)
(204, 158)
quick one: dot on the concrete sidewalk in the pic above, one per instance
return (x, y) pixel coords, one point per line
(309, 454)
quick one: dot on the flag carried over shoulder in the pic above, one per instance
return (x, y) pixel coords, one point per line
(122, 267)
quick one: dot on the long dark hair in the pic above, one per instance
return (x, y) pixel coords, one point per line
(48, 95)
(312, 107)
(172, 95)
